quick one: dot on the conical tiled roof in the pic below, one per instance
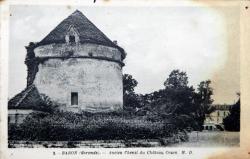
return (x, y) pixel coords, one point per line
(87, 31)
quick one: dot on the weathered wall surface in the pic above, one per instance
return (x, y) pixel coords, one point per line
(18, 115)
(97, 82)
(86, 49)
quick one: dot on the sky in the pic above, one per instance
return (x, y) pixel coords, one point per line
(197, 40)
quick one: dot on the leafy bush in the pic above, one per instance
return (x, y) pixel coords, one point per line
(232, 121)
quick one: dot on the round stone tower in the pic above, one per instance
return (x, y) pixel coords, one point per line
(77, 66)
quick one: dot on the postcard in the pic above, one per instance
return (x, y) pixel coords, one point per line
(125, 79)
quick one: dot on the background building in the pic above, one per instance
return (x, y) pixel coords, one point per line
(216, 117)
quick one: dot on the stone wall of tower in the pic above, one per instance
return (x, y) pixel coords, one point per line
(76, 50)
(92, 71)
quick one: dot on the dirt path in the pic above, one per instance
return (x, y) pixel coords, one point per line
(211, 139)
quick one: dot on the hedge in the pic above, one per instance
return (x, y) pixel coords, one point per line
(67, 126)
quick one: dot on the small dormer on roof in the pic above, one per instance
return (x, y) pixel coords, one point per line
(72, 36)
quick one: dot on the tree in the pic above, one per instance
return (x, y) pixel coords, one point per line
(177, 93)
(203, 102)
(176, 79)
(129, 83)
(232, 121)
(181, 99)
(130, 98)
(174, 103)
(177, 100)
(205, 92)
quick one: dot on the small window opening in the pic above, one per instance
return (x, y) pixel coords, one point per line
(72, 39)
(90, 54)
(16, 118)
(74, 98)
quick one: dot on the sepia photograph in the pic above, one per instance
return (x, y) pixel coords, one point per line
(123, 76)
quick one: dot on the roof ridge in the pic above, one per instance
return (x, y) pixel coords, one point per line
(77, 11)
(94, 26)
